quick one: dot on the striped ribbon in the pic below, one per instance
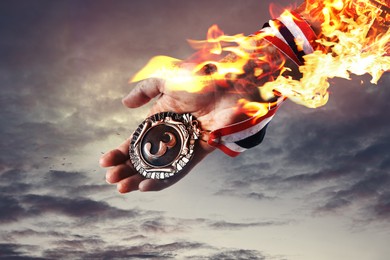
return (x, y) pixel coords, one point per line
(294, 37)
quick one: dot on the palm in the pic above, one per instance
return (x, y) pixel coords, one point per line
(213, 108)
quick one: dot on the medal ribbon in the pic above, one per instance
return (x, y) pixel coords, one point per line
(292, 36)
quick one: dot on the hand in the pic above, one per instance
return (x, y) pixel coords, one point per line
(213, 107)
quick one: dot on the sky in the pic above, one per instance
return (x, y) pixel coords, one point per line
(318, 187)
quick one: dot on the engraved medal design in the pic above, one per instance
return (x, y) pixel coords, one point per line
(163, 144)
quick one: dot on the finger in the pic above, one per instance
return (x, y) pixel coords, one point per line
(143, 92)
(116, 156)
(130, 184)
(118, 173)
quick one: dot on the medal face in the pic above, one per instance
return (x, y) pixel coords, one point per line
(163, 144)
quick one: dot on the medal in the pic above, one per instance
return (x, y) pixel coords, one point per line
(163, 144)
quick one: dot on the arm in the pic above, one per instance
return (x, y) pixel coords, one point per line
(215, 108)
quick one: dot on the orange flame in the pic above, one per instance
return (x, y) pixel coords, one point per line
(351, 32)
(351, 50)
(190, 75)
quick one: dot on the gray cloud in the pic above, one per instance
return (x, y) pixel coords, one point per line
(342, 146)
(382, 206)
(11, 210)
(76, 207)
(373, 188)
(239, 254)
(64, 67)
(238, 191)
(224, 225)
(16, 251)
(180, 249)
(19, 199)
(84, 209)
(63, 73)
(162, 226)
(72, 184)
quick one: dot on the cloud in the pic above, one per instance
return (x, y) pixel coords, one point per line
(335, 156)
(368, 193)
(10, 210)
(72, 183)
(239, 254)
(16, 251)
(382, 206)
(175, 250)
(238, 191)
(21, 197)
(162, 225)
(75, 207)
(63, 72)
(224, 225)
(76, 244)
(35, 206)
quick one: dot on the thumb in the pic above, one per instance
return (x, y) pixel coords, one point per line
(143, 92)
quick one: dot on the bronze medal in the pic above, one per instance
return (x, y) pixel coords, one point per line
(163, 144)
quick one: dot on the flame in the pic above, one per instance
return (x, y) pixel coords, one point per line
(352, 33)
(194, 74)
(351, 49)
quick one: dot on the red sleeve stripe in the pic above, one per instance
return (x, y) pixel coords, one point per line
(293, 24)
(225, 138)
(307, 30)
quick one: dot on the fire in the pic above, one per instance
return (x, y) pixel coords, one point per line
(352, 33)
(191, 75)
(351, 49)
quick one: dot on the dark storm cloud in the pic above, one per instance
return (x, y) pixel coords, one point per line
(175, 250)
(239, 254)
(16, 251)
(72, 184)
(350, 149)
(26, 143)
(75, 208)
(15, 181)
(65, 65)
(61, 178)
(72, 244)
(52, 82)
(18, 199)
(10, 210)
(142, 251)
(167, 225)
(373, 188)
(33, 206)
